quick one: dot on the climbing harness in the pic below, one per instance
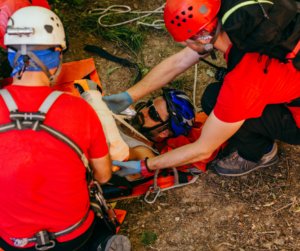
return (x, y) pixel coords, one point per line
(128, 10)
(34, 121)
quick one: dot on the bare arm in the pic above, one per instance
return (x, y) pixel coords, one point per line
(214, 133)
(102, 169)
(163, 73)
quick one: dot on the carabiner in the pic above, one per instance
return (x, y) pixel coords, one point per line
(149, 192)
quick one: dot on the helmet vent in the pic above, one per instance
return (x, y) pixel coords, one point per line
(57, 25)
(190, 8)
(179, 25)
(52, 18)
(203, 9)
(184, 20)
(190, 16)
(177, 17)
(183, 13)
(172, 22)
(48, 28)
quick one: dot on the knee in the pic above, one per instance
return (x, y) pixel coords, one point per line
(209, 98)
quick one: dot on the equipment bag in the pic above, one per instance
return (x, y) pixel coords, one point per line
(34, 120)
(269, 27)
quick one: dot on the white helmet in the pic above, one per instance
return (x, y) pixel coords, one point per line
(32, 29)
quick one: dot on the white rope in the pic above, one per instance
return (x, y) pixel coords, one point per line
(198, 109)
(128, 10)
(159, 10)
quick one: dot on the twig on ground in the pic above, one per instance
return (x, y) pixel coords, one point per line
(224, 243)
(208, 194)
(280, 208)
(269, 232)
(249, 241)
(288, 170)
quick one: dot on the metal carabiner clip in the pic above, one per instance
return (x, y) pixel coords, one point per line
(149, 192)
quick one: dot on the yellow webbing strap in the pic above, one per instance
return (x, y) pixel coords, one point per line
(228, 13)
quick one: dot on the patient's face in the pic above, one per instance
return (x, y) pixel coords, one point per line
(143, 119)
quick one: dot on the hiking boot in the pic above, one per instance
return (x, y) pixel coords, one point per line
(117, 243)
(235, 165)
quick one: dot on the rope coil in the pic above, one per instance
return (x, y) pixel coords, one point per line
(113, 10)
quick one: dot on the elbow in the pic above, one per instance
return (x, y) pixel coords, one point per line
(102, 178)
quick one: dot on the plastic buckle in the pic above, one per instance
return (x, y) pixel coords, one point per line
(37, 247)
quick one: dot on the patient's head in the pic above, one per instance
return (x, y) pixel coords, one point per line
(148, 118)
(153, 117)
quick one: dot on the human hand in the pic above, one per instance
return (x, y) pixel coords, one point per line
(128, 168)
(118, 102)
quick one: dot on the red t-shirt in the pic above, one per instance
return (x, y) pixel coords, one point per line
(43, 182)
(247, 89)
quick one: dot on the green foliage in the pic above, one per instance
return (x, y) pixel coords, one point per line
(110, 70)
(148, 238)
(5, 68)
(178, 83)
(129, 34)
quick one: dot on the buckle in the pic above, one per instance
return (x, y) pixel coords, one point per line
(37, 247)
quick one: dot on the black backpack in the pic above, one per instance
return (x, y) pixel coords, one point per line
(270, 27)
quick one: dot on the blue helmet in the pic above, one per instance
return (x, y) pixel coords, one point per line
(181, 111)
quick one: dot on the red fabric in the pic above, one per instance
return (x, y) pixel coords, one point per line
(120, 215)
(247, 89)
(43, 182)
(7, 8)
(41, 3)
(193, 135)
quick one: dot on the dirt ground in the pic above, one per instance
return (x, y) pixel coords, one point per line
(259, 211)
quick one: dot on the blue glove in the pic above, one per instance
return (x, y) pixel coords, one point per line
(129, 167)
(118, 102)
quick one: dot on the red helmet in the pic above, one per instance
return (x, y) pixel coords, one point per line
(184, 18)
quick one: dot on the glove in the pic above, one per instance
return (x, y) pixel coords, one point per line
(132, 167)
(118, 102)
(129, 167)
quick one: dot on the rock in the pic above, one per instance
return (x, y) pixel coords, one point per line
(267, 245)
(279, 241)
(135, 6)
(177, 218)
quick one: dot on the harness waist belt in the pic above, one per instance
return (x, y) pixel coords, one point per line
(44, 237)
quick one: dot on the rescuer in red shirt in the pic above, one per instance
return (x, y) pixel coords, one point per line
(49, 143)
(256, 103)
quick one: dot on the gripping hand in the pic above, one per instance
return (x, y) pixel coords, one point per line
(118, 102)
(128, 168)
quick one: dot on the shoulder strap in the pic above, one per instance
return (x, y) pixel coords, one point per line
(9, 101)
(53, 96)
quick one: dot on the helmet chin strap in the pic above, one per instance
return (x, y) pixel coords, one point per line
(27, 54)
(210, 46)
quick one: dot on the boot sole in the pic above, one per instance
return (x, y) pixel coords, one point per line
(118, 243)
(273, 161)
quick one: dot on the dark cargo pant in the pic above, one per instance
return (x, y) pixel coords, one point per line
(257, 134)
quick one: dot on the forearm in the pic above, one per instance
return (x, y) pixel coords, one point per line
(214, 133)
(178, 157)
(163, 73)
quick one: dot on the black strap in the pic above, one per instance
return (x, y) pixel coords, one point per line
(234, 57)
(107, 56)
